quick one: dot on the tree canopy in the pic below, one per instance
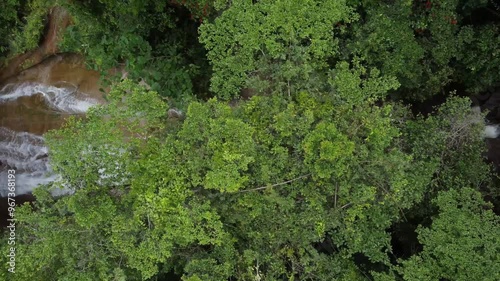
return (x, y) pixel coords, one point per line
(322, 172)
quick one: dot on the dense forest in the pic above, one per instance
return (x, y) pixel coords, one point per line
(265, 140)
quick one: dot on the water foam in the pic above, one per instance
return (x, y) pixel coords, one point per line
(64, 99)
(22, 151)
(491, 131)
(27, 155)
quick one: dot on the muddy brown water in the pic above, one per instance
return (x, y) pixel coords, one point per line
(32, 113)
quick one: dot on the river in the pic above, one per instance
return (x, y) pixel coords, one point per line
(35, 101)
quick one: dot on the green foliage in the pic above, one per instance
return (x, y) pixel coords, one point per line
(108, 32)
(277, 45)
(480, 60)
(8, 21)
(51, 245)
(103, 143)
(28, 36)
(260, 190)
(327, 173)
(385, 39)
(451, 139)
(462, 243)
(145, 39)
(303, 181)
(284, 47)
(425, 44)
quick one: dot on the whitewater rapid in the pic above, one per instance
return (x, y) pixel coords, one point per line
(63, 99)
(26, 152)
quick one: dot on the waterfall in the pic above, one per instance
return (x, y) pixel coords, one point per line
(26, 152)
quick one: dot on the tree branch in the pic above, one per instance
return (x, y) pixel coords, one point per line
(274, 185)
(346, 205)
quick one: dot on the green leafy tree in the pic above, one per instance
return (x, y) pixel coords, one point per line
(9, 21)
(234, 192)
(461, 244)
(425, 44)
(281, 46)
(306, 180)
(452, 139)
